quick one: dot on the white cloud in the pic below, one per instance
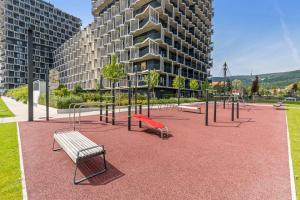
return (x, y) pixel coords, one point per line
(287, 35)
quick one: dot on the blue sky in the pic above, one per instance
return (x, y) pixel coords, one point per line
(255, 36)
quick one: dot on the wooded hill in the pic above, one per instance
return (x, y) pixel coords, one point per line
(271, 80)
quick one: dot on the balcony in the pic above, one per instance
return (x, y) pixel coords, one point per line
(148, 49)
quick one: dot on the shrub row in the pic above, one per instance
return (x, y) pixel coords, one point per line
(19, 94)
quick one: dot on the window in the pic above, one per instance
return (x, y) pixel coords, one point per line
(10, 60)
(10, 20)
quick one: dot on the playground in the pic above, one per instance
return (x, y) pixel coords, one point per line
(244, 158)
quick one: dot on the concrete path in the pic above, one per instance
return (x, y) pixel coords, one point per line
(21, 111)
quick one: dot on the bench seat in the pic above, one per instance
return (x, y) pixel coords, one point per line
(78, 148)
(190, 108)
(152, 123)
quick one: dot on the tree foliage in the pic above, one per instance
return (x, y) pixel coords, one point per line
(237, 84)
(255, 86)
(154, 80)
(77, 88)
(61, 91)
(178, 82)
(205, 86)
(295, 87)
(113, 71)
(194, 84)
(228, 85)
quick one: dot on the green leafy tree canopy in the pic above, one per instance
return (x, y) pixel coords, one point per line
(154, 79)
(178, 82)
(255, 86)
(237, 84)
(194, 84)
(77, 88)
(205, 86)
(113, 71)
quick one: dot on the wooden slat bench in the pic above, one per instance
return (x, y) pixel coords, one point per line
(190, 108)
(79, 148)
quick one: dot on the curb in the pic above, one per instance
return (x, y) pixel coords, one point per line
(24, 189)
(292, 179)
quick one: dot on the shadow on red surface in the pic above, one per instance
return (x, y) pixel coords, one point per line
(94, 165)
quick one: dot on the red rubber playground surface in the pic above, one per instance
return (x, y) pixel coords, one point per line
(245, 159)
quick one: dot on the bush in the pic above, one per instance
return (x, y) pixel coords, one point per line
(19, 93)
(90, 97)
(52, 100)
(61, 91)
(77, 89)
(64, 102)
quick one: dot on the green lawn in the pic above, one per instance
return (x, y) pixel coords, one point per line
(294, 127)
(4, 111)
(10, 175)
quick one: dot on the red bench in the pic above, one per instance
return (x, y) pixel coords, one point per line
(152, 123)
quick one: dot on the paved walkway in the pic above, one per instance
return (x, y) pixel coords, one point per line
(245, 159)
(21, 111)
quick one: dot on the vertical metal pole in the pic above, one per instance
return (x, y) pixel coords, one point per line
(232, 110)
(129, 90)
(238, 109)
(206, 109)
(129, 117)
(113, 104)
(101, 107)
(30, 74)
(100, 96)
(47, 94)
(178, 90)
(215, 109)
(106, 113)
(136, 89)
(140, 112)
(224, 102)
(129, 103)
(148, 93)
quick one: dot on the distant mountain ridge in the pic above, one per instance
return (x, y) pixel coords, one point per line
(280, 79)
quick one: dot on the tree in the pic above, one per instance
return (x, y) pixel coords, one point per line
(154, 80)
(194, 85)
(178, 82)
(255, 86)
(113, 71)
(295, 87)
(237, 84)
(205, 86)
(228, 85)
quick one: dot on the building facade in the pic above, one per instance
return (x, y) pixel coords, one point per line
(51, 28)
(170, 36)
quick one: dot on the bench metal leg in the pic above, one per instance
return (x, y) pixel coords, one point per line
(89, 176)
(164, 132)
(54, 145)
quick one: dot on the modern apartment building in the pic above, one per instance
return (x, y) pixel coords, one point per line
(51, 28)
(171, 36)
